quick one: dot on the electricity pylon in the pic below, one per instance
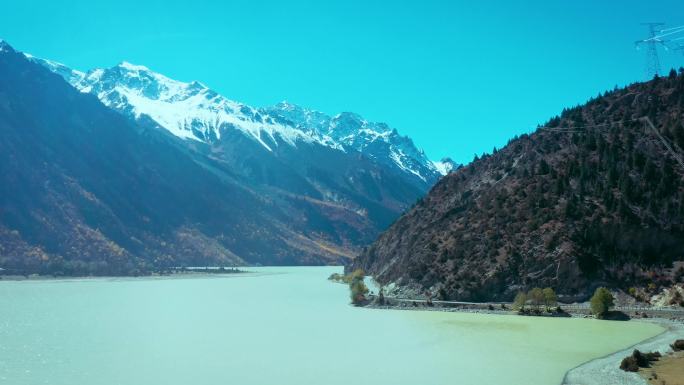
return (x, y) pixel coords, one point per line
(651, 43)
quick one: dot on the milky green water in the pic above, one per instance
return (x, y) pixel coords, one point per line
(278, 326)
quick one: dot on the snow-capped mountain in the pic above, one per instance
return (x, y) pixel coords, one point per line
(445, 166)
(195, 112)
(121, 169)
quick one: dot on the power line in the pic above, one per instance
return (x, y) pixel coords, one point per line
(677, 157)
(662, 35)
(679, 29)
(647, 123)
(651, 43)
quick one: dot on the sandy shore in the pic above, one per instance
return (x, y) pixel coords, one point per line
(606, 370)
(667, 370)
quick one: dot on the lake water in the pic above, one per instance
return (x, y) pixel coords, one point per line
(277, 326)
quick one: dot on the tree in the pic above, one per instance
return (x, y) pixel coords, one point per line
(357, 288)
(536, 297)
(601, 302)
(520, 301)
(543, 167)
(550, 298)
(672, 74)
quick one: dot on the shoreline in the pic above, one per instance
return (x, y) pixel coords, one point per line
(603, 370)
(606, 370)
(569, 310)
(177, 274)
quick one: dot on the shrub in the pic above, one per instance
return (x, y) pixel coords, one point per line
(678, 345)
(644, 359)
(520, 301)
(358, 291)
(601, 302)
(638, 360)
(550, 298)
(357, 288)
(629, 364)
(536, 297)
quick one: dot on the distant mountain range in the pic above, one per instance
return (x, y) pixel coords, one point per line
(195, 112)
(123, 170)
(595, 197)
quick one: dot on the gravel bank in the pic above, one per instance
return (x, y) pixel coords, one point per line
(606, 370)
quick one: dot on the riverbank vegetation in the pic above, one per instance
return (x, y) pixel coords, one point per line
(9, 274)
(536, 301)
(357, 288)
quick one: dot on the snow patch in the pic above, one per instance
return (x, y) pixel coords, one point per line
(193, 111)
(133, 67)
(443, 167)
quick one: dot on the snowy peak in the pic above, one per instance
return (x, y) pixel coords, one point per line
(445, 166)
(132, 67)
(293, 115)
(192, 111)
(60, 69)
(187, 110)
(351, 131)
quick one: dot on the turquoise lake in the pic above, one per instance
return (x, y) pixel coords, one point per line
(274, 326)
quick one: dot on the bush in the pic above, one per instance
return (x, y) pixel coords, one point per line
(678, 345)
(520, 301)
(638, 360)
(536, 297)
(601, 302)
(347, 278)
(550, 298)
(629, 364)
(644, 359)
(357, 288)
(358, 292)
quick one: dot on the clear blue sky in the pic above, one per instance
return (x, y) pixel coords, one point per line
(459, 77)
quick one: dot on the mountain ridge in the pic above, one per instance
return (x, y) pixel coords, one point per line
(591, 198)
(149, 199)
(135, 89)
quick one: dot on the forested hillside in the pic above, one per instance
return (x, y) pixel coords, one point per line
(592, 197)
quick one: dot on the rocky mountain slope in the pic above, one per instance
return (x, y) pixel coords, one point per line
(593, 198)
(194, 111)
(87, 189)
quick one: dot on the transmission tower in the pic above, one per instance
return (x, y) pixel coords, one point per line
(651, 43)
